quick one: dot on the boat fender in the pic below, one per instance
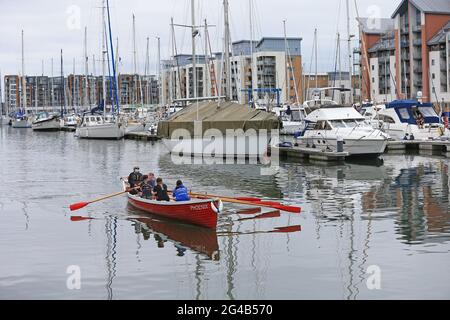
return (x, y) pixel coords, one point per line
(219, 207)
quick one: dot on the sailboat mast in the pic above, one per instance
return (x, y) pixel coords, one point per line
(161, 82)
(147, 64)
(250, 6)
(74, 81)
(135, 95)
(315, 56)
(227, 49)
(349, 43)
(63, 87)
(114, 96)
(52, 89)
(86, 69)
(104, 58)
(24, 80)
(287, 62)
(194, 62)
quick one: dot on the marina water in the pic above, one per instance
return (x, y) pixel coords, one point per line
(391, 216)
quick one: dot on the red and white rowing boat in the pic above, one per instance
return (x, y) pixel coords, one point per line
(200, 212)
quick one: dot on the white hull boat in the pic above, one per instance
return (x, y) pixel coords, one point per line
(94, 127)
(342, 129)
(399, 119)
(22, 123)
(46, 122)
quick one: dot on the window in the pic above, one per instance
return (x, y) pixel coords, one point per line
(433, 76)
(337, 124)
(373, 80)
(373, 67)
(433, 62)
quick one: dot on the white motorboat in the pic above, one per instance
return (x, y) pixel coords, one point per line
(407, 120)
(45, 121)
(71, 121)
(100, 127)
(292, 118)
(339, 128)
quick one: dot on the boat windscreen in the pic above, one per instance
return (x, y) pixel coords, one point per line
(295, 116)
(427, 112)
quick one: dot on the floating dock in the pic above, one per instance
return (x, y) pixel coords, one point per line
(309, 153)
(427, 146)
(142, 136)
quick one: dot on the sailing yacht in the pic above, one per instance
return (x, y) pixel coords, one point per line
(104, 126)
(21, 121)
(328, 126)
(96, 126)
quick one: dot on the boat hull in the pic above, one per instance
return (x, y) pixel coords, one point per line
(355, 147)
(21, 124)
(52, 124)
(112, 131)
(196, 212)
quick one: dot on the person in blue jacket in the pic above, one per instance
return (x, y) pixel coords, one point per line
(180, 193)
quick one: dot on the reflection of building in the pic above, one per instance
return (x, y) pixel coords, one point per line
(408, 53)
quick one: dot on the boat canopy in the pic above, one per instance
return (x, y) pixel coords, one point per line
(407, 111)
(227, 116)
(341, 113)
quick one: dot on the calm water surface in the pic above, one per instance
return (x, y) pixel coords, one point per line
(393, 214)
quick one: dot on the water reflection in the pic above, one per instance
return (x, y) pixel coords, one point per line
(181, 236)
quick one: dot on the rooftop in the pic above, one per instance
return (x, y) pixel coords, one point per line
(426, 6)
(440, 36)
(376, 25)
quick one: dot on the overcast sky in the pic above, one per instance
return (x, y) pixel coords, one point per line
(51, 25)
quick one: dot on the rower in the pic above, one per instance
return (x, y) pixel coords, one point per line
(180, 193)
(152, 180)
(160, 191)
(146, 188)
(134, 179)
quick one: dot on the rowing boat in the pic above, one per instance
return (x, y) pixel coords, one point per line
(200, 212)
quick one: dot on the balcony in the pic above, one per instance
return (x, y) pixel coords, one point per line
(417, 28)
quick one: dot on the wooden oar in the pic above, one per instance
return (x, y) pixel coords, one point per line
(256, 203)
(81, 205)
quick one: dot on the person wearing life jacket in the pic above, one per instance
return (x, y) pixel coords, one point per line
(135, 179)
(180, 193)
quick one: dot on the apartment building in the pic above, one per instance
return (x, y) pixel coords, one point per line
(408, 53)
(269, 68)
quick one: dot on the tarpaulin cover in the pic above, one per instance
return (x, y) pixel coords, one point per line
(229, 115)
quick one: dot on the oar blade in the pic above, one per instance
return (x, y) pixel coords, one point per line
(288, 229)
(78, 206)
(288, 208)
(79, 218)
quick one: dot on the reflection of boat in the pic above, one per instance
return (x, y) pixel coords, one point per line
(198, 212)
(183, 236)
